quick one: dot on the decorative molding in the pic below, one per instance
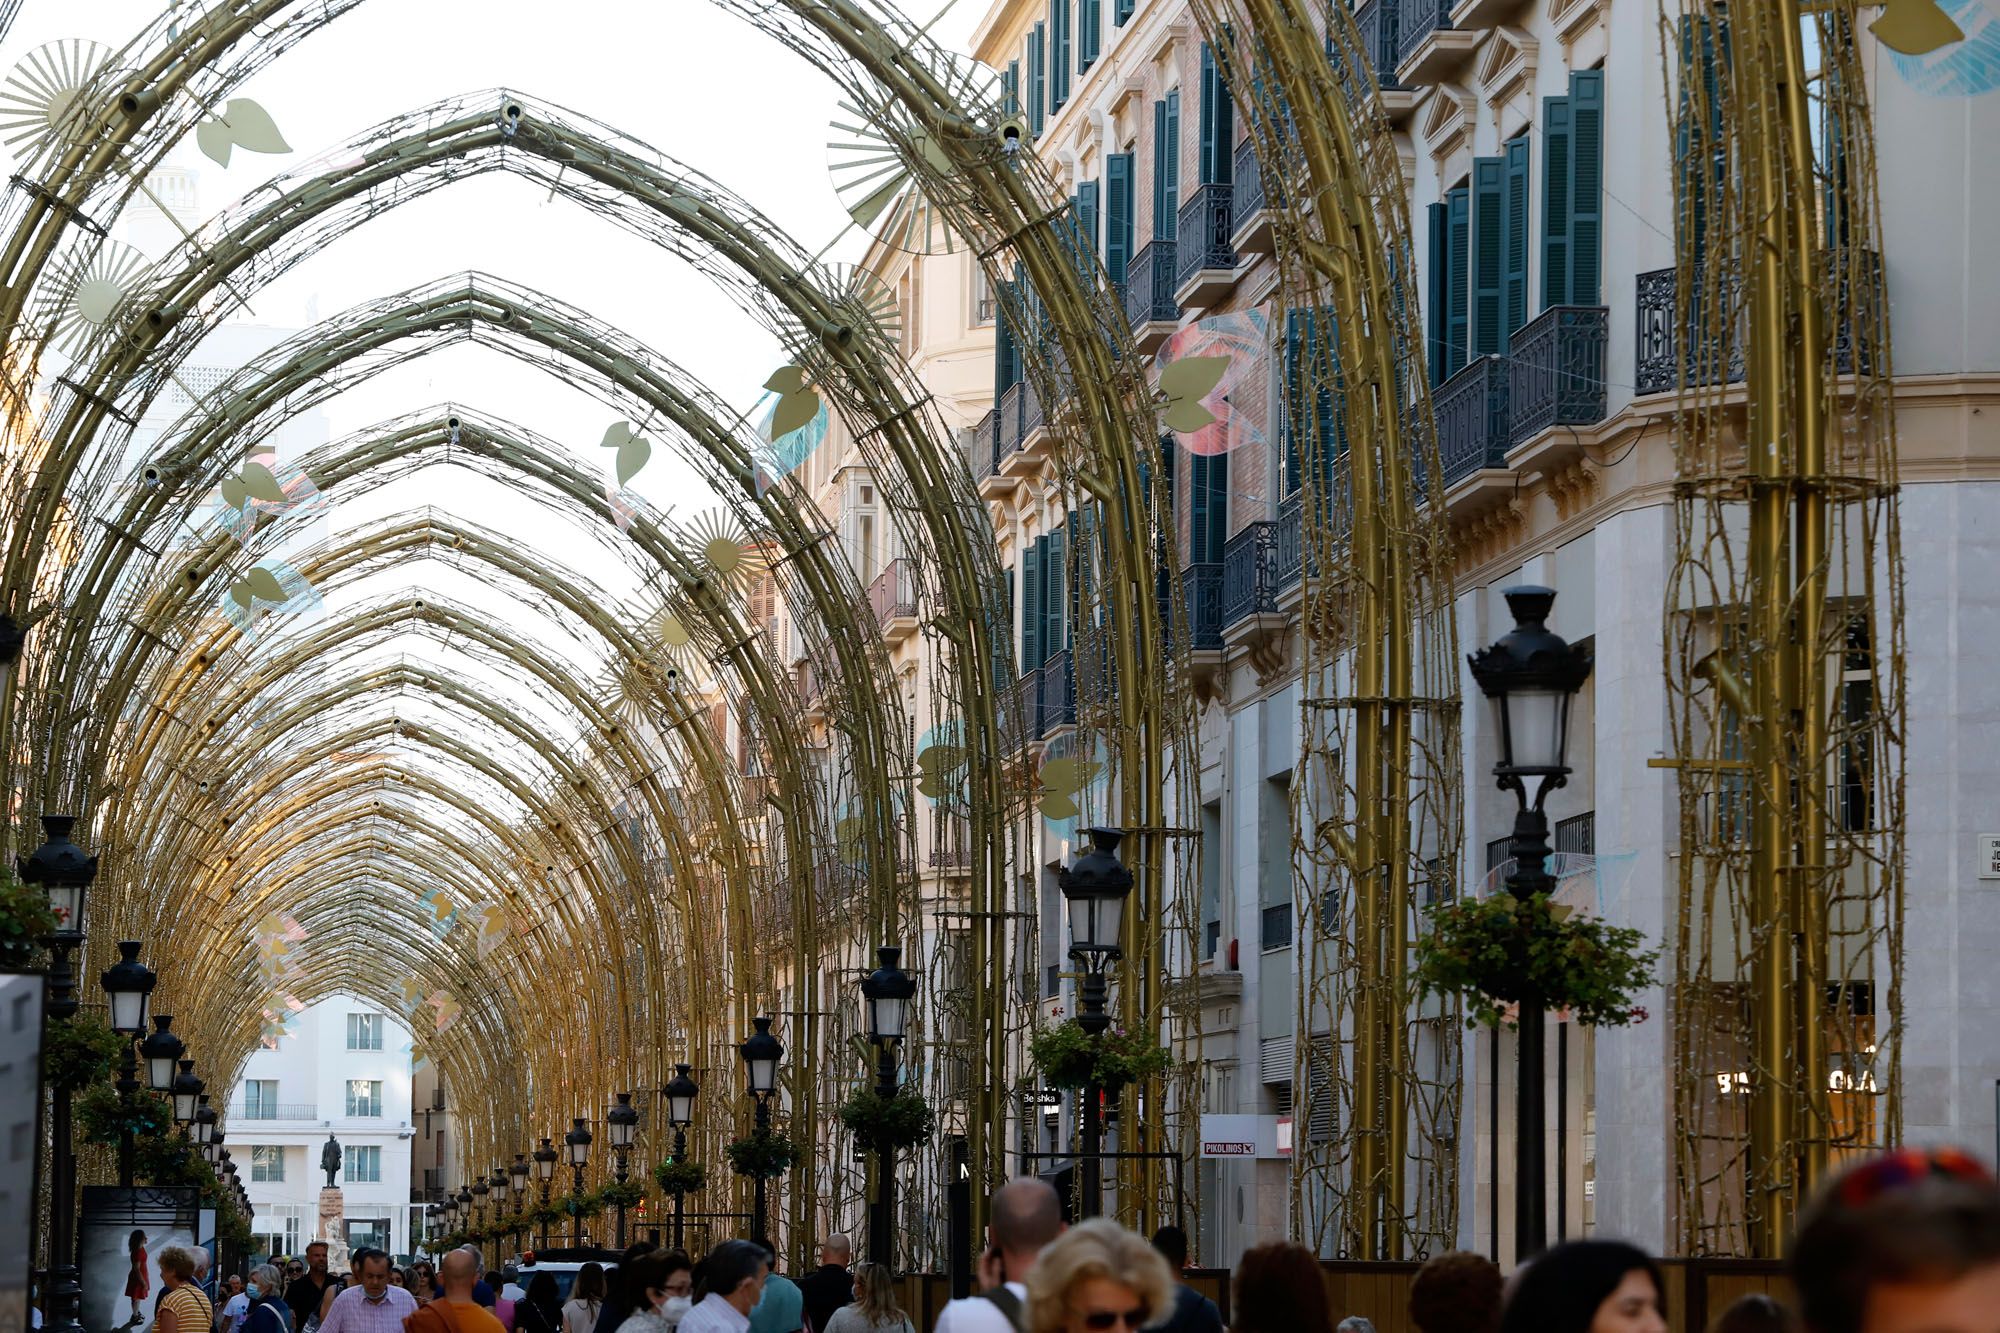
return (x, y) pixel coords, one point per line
(1489, 533)
(1174, 35)
(1507, 68)
(1572, 16)
(1573, 487)
(1448, 120)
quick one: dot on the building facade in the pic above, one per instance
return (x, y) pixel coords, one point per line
(342, 1070)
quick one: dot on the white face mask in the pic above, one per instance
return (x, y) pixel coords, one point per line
(675, 1308)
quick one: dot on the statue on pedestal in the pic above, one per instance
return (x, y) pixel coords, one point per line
(329, 1159)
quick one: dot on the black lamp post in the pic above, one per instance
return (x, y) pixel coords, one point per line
(60, 868)
(187, 1090)
(160, 1051)
(545, 1171)
(463, 1219)
(577, 1143)
(1096, 886)
(501, 1185)
(761, 1053)
(1532, 675)
(519, 1170)
(680, 1093)
(129, 984)
(480, 1189)
(621, 1122)
(204, 1123)
(887, 991)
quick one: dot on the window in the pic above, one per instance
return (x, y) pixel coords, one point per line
(1117, 216)
(364, 1097)
(1274, 866)
(1166, 165)
(260, 1099)
(362, 1166)
(280, 1228)
(1218, 123)
(1211, 877)
(1277, 926)
(1059, 53)
(1208, 507)
(1038, 78)
(267, 1164)
(1089, 32)
(364, 1032)
(1573, 191)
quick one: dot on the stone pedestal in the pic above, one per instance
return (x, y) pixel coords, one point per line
(333, 1228)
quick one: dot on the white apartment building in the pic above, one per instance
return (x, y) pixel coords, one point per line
(343, 1069)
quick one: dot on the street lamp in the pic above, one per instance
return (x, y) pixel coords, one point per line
(517, 1172)
(887, 991)
(621, 1122)
(60, 869)
(577, 1142)
(680, 1093)
(761, 1053)
(545, 1170)
(1532, 675)
(204, 1122)
(160, 1051)
(187, 1090)
(1096, 886)
(129, 984)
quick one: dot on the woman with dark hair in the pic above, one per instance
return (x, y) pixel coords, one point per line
(1278, 1288)
(658, 1284)
(618, 1302)
(138, 1276)
(1905, 1241)
(1588, 1286)
(1456, 1292)
(1755, 1313)
(540, 1308)
(586, 1300)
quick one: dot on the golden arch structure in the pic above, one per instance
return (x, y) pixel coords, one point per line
(132, 691)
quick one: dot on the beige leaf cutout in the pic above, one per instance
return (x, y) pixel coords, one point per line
(262, 484)
(1185, 383)
(265, 584)
(243, 124)
(793, 412)
(632, 456)
(214, 139)
(240, 591)
(786, 379)
(234, 492)
(1915, 27)
(616, 435)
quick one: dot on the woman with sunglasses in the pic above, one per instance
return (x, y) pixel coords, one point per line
(1278, 1288)
(1097, 1277)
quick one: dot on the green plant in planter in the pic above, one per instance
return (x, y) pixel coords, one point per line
(587, 1203)
(763, 1154)
(678, 1179)
(887, 1124)
(545, 1214)
(628, 1193)
(80, 1052)
(1495, 951)
(1069, 1057)
(25, 916)
(102, 1116)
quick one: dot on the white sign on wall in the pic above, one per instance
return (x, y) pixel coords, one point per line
(1239, 1136)
(1989, 856)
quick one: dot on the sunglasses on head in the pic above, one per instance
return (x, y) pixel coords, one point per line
(1102, 1321)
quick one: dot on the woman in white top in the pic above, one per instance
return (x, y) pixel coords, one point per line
(586, 1299)
(875, 1309)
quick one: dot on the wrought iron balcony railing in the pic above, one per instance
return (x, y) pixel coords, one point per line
(1248, 197)
(1149, 285)
(893, 594)
(1012, 402)
(1057, 692)
(1287, 544)
(1379, 24)
(1557, 375)
(1027, 703)
(1201, 594)
(983, 448)
(1416, 20)
(1664, 358)
(1205, 227)
(1471, 410)
(1250, 572)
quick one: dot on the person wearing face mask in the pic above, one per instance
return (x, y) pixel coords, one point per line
(659, 1284)
(267, 1307)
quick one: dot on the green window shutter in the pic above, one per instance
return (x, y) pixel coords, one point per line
(1160, 170)
(1558, 137)
(1089, 32)
(1437, 284)
(1005, 370)
(1514, 279)
(1218, 123)
(1165, 225)
(1208, 495)
(1586, 217)
(1086, 224)
(1058, 22)
(1489, 246)
(1293, 392)
(1038, 78)
(1055, 574)
(1458, 279)
(1120, 11)
(1031, 606)
(1010, 89)
(1117, 215)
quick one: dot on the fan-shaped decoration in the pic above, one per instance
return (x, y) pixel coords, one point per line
(90, 292)
(54, 94)
(1202, 366)
(732, 558)
(1968, 67)
(877, 187)
(941, 769)
(865, 304)
(243, 124)
(1068, 781)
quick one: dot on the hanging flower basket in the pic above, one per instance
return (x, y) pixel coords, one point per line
(678, 1179)
(1494, 952)
(585, 1204)
(545, 1214)
(103, 1116)
(613, 1195)
(80, 1052)
(1069, 1057)
(888, 1124)
(25, 916)
(764, 1154)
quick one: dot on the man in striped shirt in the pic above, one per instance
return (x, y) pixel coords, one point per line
(372, 1307)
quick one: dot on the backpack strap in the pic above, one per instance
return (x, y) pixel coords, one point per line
(1009, 1305)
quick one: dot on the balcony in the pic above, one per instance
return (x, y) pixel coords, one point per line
(1027, 705)
(1250, 574)
(1249, 218)
(1056, 695)
(1201, 595)
(267, 1111)
(1377, 21)
(1149, 294)
(1205, 261)
(1663, 360)
(982, 447)
(893, 599)
(1558, 371)
(1007, 439)
(1288, 546)
(1471, 410)
(1032, 421)
(1428, 48)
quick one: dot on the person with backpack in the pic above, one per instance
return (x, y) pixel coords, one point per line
(1027, 1217)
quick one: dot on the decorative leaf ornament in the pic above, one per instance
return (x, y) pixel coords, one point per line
(243, 124)
(47, 96)
(1063, 780)
(1915, 27)
(254, 482)
(1184, 384)
(259, 582)
(797, 403)
(633, 449)
(941, 772)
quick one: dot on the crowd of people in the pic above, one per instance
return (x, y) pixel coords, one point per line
(1908, 1242)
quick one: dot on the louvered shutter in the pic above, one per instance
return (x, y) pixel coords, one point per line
(1055, 576)
(1120, 11)
(1557, 143)
(1038, 78)
(1031, 605)
(1086, 224)
(1586, 215)
(1218, 122)
(1458, 279)
(1059, 50)
(1165, 224)
(1437, 284)
(1089, 32)
(1489, 237)
(1117, 215)
(1010, 89)
(1514, 223)
(1208, 493)
(1006, 352)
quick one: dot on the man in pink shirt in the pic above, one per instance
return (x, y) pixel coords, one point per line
(372, 1307)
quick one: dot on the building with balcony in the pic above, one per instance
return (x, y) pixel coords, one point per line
(342, 1068)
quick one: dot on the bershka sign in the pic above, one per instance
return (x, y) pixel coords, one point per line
(1239, 1136)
